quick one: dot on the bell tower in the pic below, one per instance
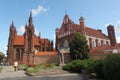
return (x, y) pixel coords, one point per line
(111, 34)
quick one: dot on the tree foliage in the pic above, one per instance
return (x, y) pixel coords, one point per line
(78, 47)
(1, 57)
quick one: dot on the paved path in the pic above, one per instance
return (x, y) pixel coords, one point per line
(9, 74)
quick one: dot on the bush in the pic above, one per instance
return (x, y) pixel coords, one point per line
(74, 66)
(98, 68)
(31, 70)
(22, 67)
(112, 67)
(78, 65)
(89, 65)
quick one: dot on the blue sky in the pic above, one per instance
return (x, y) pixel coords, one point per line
(48, 15)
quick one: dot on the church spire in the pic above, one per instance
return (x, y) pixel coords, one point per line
(30, 19)
(12, 27)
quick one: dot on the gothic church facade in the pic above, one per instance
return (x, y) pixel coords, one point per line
(28, 47)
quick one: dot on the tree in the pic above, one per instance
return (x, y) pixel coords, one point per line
(78, 47)
(1, 57)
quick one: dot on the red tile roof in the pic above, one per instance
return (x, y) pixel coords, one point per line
(36, 40)
(95, 33)
(89, 31)
(19, 40)
(117, 46)
(105, 47)
(46, 53)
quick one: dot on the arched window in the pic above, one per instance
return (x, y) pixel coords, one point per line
(93, 44)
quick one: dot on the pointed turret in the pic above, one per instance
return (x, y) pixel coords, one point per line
(30, 25)
(30, 20)
(66, 19)
(12, 28)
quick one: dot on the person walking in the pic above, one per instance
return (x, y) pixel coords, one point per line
(15, 65)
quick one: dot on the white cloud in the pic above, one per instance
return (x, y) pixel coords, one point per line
(21, 30)
(36, 32)
(38, 10)
(118, 39)
(117, 26)
(106, 25)
(5, 48)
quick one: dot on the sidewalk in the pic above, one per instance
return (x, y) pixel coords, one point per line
(8, 72)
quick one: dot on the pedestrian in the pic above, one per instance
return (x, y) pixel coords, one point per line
(15, 65)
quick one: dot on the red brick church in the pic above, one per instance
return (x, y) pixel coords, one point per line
(97, 41)
(29, 48)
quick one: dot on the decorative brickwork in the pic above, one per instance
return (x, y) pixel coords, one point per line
(23, 48)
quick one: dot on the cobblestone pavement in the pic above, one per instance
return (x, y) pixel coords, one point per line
(9, 74)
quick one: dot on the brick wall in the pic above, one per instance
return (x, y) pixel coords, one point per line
(99, 55)
(45, 59)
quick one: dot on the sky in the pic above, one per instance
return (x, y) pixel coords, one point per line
(48, 15)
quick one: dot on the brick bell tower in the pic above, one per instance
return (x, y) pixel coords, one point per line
(28, 56)
(111, 34)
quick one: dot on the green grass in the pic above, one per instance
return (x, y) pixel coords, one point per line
(37, 68)
(0, 69)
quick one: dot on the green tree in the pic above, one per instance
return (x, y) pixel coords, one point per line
(78, 47)
(1, 57)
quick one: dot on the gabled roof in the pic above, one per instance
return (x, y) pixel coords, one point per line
(105, 47)
(19, 40)
(95, 33)
(36, 40)
(45, 53)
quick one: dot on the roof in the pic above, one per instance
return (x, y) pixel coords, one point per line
(19, 40)
(105, 47)
(95, 33)
(46, 53)
(36, 40)
(89, 31)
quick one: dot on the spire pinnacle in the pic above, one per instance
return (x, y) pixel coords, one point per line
(30, 20)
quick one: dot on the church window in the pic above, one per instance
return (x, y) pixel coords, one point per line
(93, 44)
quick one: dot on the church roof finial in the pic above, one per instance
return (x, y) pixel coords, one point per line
(30, 20)
(12, 25)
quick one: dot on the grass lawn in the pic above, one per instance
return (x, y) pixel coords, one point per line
(0, 69)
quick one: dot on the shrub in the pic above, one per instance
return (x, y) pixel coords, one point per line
(74, 66)
(22, 67)
(98, 68)
(112, 67)
(78, 65)
(31, 70)
(88, 65)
